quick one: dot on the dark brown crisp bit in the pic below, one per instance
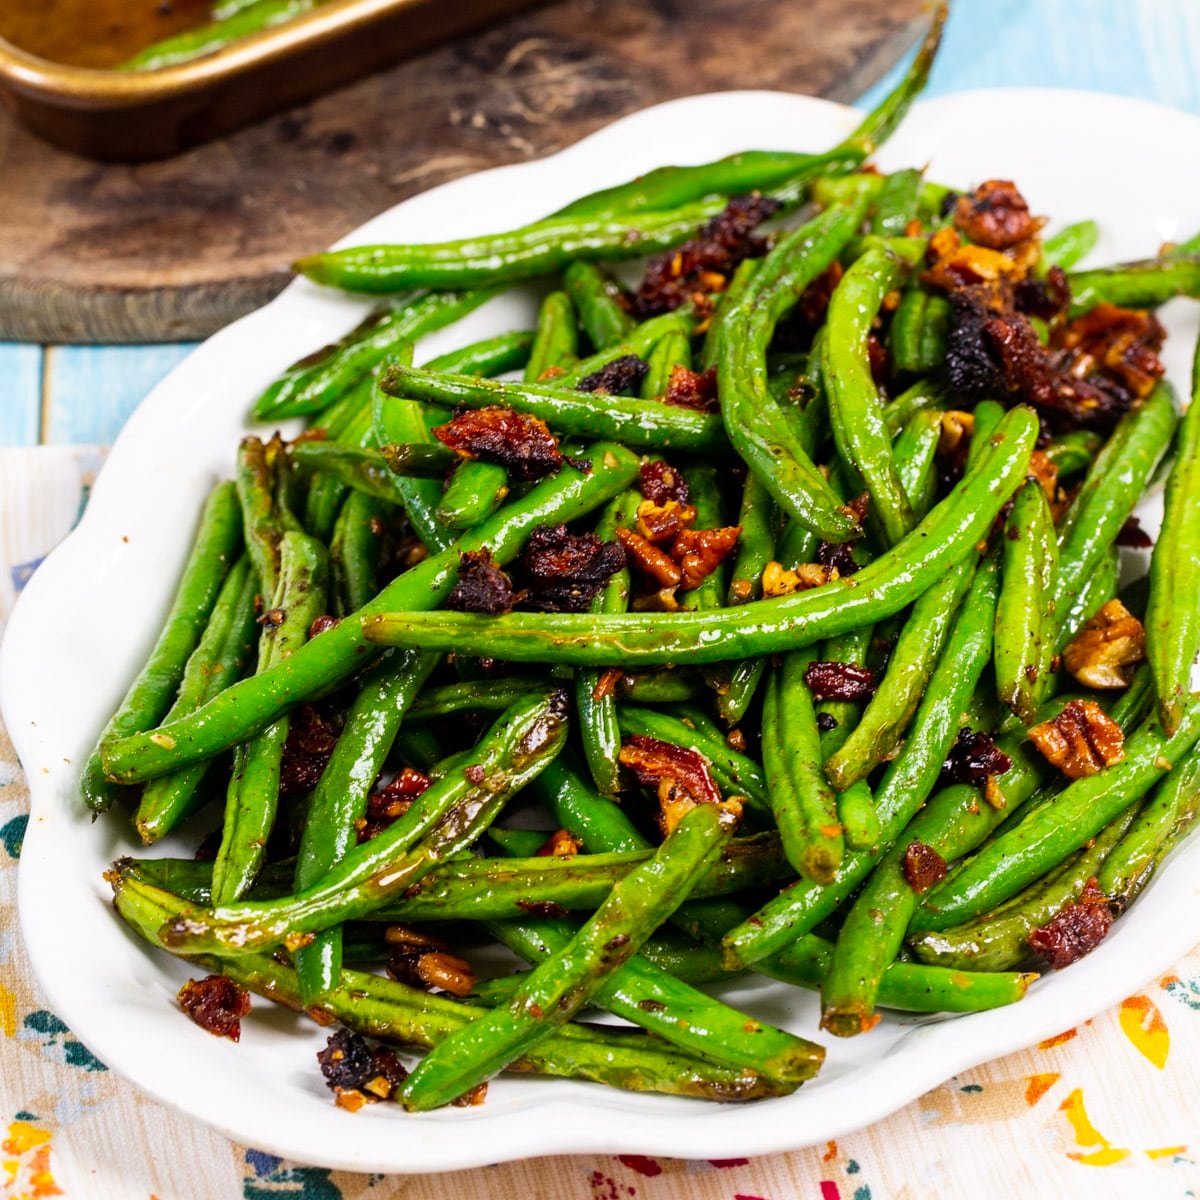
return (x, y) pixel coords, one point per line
(1105, 651)
(680, 775)
(482, 586)
(476, 1096)
(1047, 299)
(1075, 930)
(837, 556)
(390, 802)
(520, 443)
(560, 844)
(814, 300)
(1133, 536)
(703, 263)
(659, 481)
(310, 741)
(216, 1004)
(692, 389)
(1122, 344)
(563, 571)
(322, 624)
(826, 722)
(542, 908)
(923, 866)
(621, 375)
(1081, 740)
(974, 758)
(388, 1074)
(839, 681)
(346, 1062)
(995, 215)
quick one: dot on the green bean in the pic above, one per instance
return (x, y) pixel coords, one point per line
(1072, 452)
(802, 802)
(446, 818)
(1172, 626)
(420, 460)
(317, 380)
(597, 708)
(1113, 486)
(897, 203)
(908, 780)
(250, 706)
(739, 284)
(1046, 836)
(858, 426)
(661, 687)
(705, 497)
(735, 773)
(492, 695)
(1070, 244)
(369, 471)
(857, 816)
(756, 426)
(355, 552)
(640, 343)
(1167, 815)
(922, 395)
(1094, 592)
(596, 300)
(217, 543)
(999, 940)
(253, 794)
(1135, 285)
(648, 996)
(556, 345)
(916, 460)
(918, 332)
(880, 589)
(219, 660)
(673, 350)
(490, 356)
(873, 930)
(633, 421)
(1025, 632)
(339, 800)
(849, 648)
(261, 468)
(216, 35)
(755, 548)
(560, 985)
(393, 1012)
(912, 662)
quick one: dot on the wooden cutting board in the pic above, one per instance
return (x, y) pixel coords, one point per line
(173, 250)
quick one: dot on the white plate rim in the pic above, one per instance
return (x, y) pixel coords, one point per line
(581, 1120)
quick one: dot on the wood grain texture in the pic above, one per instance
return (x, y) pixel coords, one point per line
(174, 250)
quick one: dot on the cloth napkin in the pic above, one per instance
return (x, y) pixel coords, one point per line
(1108, 1110)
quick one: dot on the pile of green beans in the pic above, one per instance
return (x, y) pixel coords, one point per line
(830, 729)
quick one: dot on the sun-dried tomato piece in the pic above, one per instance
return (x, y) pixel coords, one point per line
(973, 758)
(660, 482)
(621, 375)
(700, 551)
(649, 559)
(662, 523)
(719, 245)
(520, 443)
(1081, 740)
(482, 586)
(923, 866)
(390, 802)
(839, 681)
(1103, 653)
(310, 741)
(680, 775)
(995, 215)
(346, 1062)
(563, 571)
(692, 389)
(217, 1004)
(1075, 930)
(560, 844)
(1132, 536)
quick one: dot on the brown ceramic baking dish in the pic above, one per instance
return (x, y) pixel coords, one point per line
(131, 116)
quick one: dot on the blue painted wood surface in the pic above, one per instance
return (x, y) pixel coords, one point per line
(1144, 48)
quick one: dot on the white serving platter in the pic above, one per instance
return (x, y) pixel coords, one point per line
(92, 610)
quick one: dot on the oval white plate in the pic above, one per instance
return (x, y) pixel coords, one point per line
(90, 613)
